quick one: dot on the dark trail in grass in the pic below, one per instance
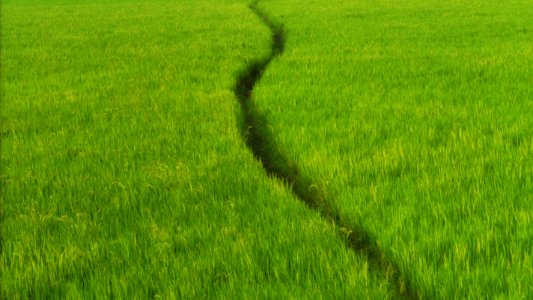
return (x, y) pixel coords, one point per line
(260, 141)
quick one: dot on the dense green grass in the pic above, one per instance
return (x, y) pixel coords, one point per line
(123, 172)
(417, 118)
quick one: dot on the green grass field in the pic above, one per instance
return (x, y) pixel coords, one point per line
(417, 119)
(124, 172)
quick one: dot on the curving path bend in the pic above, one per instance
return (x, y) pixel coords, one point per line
(261, 142)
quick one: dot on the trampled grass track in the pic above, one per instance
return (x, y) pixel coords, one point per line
(259, 139)
(124, 174)
(416, 116)
(124, 154)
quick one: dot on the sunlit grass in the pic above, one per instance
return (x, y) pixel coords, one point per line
(123, 171)
(416, 116)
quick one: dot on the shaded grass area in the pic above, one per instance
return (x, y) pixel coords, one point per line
(414, 119)
(123, 173)
(260, 140)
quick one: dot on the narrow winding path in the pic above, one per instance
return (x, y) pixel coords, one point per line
(259, 139)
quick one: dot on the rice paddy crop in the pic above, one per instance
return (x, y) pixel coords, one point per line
(124, 174)
(416, 119)
(158, 149)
